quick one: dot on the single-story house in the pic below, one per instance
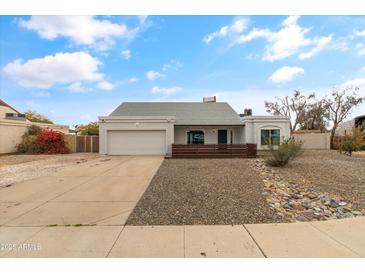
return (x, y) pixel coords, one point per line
(13, 124)
(152, 128)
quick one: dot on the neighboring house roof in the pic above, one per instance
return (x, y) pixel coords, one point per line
(2, 103)
(185, 113)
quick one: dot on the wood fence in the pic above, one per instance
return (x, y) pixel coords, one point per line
(214, 151)
(337, 141)
(82, 143)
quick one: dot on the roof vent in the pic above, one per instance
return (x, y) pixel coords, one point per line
(211, 99)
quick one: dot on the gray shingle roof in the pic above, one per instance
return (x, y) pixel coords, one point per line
(185, 113)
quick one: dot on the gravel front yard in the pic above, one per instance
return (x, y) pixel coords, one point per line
(319, 185)
(17, 168)
(204, 191)
(331, 172)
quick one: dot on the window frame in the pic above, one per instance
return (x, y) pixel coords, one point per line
(270, 137)
(192, 132)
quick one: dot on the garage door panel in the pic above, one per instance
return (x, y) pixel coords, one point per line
(137, 142)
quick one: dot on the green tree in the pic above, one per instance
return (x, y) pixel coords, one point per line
(91, 128)
(34, 116)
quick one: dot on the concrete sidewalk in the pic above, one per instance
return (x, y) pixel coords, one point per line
(329, 239)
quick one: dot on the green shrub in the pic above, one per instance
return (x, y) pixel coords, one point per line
(34, 129)
(42, 141)
(29, 144)
(286, 151)
(51, 142)
(355, 141)
(91, 128)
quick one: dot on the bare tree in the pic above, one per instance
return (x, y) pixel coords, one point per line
(293, 107)
(339, 105)
(315, 117)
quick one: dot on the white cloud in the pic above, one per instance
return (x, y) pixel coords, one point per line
(132, 80)
(360, 49)
(322, 43)
(76, 87)
(283, 43)
(341, 44)
(82, 30)
(172, 65)
(286, 74)
(153, 75)
(126, 54)
(166, 91)
(105, 85)
(287, 41)
(359, 33)
(356, 82)
(252, 35)
(61, 68)
(236, 27)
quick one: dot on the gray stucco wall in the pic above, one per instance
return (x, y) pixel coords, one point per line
(254, 125)
(135, 123)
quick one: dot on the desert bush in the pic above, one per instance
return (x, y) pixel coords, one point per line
(34, 130)
(51, 142)
(37, 140)
(354, 141)
(286, 151)
(28, 144)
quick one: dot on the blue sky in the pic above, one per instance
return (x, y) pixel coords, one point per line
(74, 69)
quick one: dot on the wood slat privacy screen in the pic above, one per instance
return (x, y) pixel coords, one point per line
(82, 143)
(214, 151)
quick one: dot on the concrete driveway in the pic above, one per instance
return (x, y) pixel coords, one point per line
(86, 204)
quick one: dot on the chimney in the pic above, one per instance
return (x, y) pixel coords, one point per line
(211, 99)
(246, 112)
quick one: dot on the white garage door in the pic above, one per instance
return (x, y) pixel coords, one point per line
(136, 142)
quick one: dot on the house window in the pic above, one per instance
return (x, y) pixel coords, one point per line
(270, 137)
(195, 137)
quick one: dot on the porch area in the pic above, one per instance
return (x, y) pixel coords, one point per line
(214, 150)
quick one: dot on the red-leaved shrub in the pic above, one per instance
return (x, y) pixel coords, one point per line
(51, 142)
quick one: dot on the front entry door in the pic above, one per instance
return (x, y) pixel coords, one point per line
(222, 136)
